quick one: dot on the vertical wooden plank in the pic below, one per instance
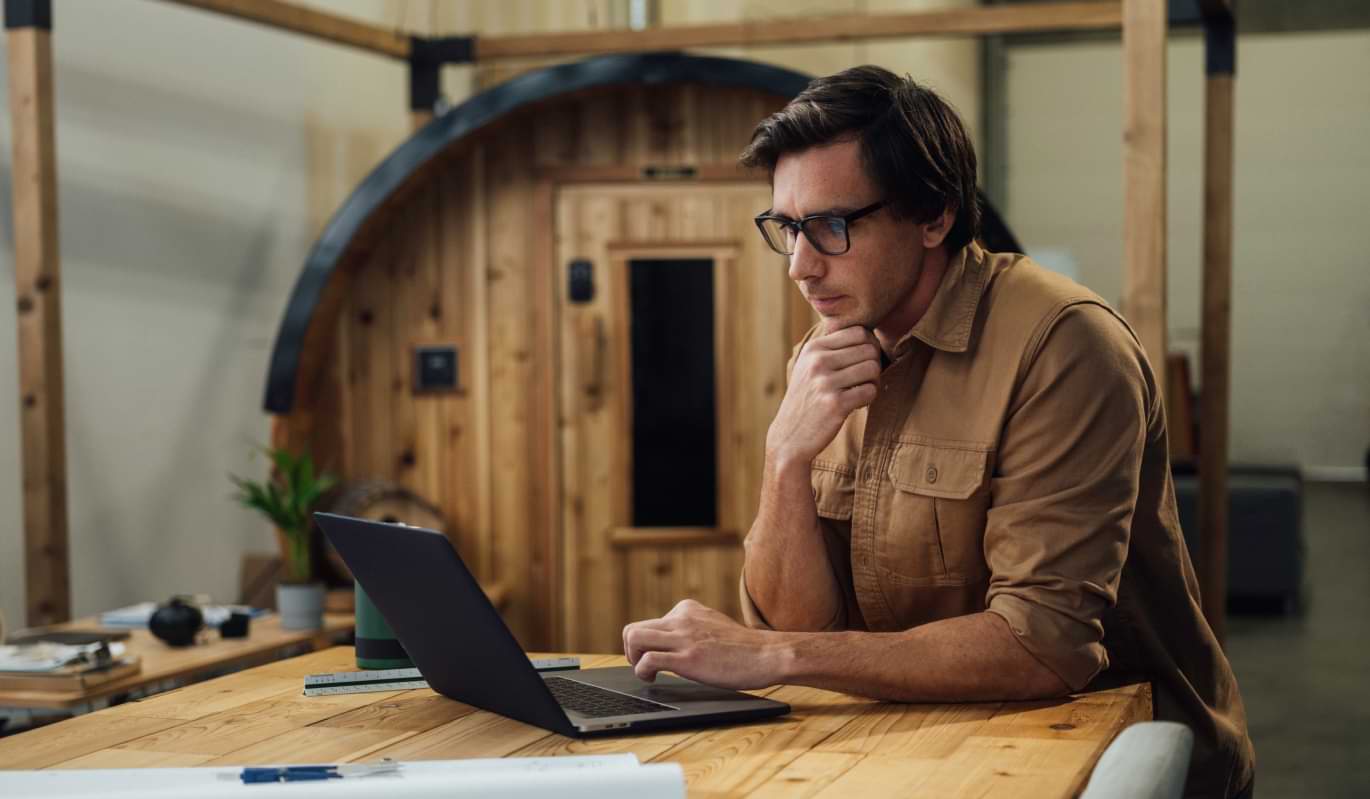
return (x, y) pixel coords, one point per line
(509, 183)
(351, 334)
(457, 484)
(424, 313)
(371, 348)
(557, 134)
(37, 278)
(593, 447)
(481, 465)
(1144, 179)
(606, 125)
(569, 431)
(770, 341)
(1215, 352)
(544, 577)
(402, 292)
(729, 401)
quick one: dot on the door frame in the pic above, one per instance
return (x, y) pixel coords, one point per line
(547, 405)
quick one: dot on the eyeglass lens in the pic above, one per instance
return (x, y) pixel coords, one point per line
(827, 233)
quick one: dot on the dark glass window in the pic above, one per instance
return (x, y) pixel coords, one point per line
(675, 418)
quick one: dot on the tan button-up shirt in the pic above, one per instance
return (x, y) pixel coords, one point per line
(1015, 461)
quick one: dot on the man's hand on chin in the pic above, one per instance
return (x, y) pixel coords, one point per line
(706, 646)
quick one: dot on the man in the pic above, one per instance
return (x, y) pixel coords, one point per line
(967, 491)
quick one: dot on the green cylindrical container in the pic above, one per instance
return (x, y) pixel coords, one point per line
(377, 647)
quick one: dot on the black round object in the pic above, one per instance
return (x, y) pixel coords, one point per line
(176, 622)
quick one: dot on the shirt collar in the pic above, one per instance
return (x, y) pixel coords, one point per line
(947, 323)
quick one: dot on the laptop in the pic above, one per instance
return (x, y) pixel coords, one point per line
(464, 651)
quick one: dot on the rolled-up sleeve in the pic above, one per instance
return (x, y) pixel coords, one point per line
(1065, 488)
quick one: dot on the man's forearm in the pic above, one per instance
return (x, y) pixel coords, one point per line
(967, 658)
(787, 570)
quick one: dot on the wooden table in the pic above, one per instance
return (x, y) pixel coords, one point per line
(832, 744)
(161, 663)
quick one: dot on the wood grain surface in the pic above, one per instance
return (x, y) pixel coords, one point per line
(830, 745)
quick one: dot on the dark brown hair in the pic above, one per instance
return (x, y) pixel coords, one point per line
(912, 142)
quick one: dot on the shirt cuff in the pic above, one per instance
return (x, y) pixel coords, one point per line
(1069, 647)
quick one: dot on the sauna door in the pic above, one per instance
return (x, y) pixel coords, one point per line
(676, 322)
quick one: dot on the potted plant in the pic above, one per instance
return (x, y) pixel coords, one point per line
(286, 498)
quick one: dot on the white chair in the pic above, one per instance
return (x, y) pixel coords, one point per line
(1149, 760)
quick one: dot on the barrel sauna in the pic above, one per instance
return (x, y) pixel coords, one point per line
(575, 248)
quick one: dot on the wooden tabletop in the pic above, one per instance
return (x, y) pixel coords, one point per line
(832, 744)
(161, 662)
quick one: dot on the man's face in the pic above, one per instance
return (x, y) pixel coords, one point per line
(870, 283)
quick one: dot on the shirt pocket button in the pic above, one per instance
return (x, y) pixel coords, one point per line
(931, 475)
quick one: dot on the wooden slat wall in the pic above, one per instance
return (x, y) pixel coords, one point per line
(458, 260)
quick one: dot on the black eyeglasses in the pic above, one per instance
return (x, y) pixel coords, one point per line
(828, 234)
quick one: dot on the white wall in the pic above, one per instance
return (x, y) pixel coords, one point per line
(950, 65)
(1301, 289)
(195, 156)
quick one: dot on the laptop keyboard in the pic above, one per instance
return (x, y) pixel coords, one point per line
(595, 702)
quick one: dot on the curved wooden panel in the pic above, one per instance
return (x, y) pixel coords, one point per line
(405, 166)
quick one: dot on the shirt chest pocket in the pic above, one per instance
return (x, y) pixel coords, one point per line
(930, 518)
(834, 488)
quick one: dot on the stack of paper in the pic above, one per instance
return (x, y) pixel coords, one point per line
(572, 777)
(63, 667)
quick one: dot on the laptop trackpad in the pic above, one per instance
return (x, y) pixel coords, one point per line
(668, 689)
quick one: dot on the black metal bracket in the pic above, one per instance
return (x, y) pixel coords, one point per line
(1220, 44)
(28, 14)
(426, 59)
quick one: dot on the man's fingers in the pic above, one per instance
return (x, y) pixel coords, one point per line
(858, 396)
(638, 641)
(646, 624)
(842, 358)
(846, 337)
(856, 374)
(653, 662)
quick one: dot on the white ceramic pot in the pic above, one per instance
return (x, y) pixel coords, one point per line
(300, 606)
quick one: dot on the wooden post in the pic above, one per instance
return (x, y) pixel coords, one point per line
(37, 281)
(1144, 132)
(1215, 351)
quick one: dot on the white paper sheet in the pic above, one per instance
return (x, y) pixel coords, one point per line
(572, 777)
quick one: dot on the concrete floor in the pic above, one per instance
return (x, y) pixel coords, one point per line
(1306, 677)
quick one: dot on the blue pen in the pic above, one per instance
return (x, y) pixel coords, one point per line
(303, 773)
(290, 774)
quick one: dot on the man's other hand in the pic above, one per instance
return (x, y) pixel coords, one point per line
(835, 374)
(703, 645)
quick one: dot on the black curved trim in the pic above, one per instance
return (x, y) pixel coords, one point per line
(649, 69)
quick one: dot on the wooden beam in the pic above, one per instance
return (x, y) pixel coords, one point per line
(1215, 348)
(38, 292)
(1024, 18)
(1144, 134)
(308, 22)
(1216, 336)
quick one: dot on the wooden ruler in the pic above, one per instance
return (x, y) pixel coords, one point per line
(360, 682)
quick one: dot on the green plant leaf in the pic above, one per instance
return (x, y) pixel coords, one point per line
(286, 497)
